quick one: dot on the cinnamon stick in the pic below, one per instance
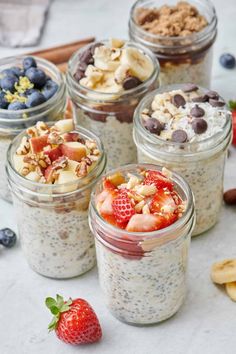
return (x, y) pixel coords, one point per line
(61, 54)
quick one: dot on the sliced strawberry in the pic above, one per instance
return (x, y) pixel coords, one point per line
(106, 207)
(122, 207)
(164, 204)
(157, 179)
(145, 223)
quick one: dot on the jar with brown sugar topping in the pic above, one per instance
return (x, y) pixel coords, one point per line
(181, 34)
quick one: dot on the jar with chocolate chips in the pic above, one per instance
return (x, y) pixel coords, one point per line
(31, 89)
(181, 34)
(188, 129)
(106, 81)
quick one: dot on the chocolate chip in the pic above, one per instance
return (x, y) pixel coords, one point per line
(85, 58)
(179, 136)
(197, 111)
(203, 98)
(154, 126)
(212, 94)
(130, 82)
(190, 88)
(199, 125)
(79, 75)
(216, 103)
(178, 100)
(230, 197)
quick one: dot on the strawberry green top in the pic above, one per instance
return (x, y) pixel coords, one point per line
(140, 203)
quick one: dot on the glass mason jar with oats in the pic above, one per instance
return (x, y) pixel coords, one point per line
(188, 129)
(181, 34)
(31, 89)
(142, 259)
(51, 171)
(106, 80)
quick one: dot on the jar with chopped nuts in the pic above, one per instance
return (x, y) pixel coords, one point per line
(142, 217)
(106, 80)
(180, 33)
(31, 89)
(51, 170)
(188, 129)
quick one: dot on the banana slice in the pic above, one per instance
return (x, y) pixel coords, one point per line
(224, 271)
(116, 43)
(105, 58)
(139, 64)
(121, 73)
(231, 290)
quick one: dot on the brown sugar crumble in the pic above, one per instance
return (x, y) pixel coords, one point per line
(180, 20)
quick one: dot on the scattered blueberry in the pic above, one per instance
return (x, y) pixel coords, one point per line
(7, 83)
(29, 62)
(7, 237)
(36, 76)
(227, 60)
(3, 101)
(35, 99)
(16, 106)
(49, 89)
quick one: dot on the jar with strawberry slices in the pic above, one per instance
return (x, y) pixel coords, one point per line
(51, 170)
(31, 89)
(142, 217)
(106, 80)
(188, 129)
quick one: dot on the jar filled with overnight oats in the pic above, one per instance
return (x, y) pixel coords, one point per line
(187, 129)
(142, 218)
(181, 34)
(31, 90)
(106, 81)
(51, 170)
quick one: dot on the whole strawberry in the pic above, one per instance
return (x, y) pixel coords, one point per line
(74, 321)
(232, 106)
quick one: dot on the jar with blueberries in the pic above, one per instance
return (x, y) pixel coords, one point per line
(181, 35)
(106, 81)
(31, 89)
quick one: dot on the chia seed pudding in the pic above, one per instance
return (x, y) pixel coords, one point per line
(142, 220)
(106, 81)
(51, 171)
(31, 89)
(187, 129)
(181, 34)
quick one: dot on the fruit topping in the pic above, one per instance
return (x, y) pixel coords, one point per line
(157, 179)
(228, 61)
(7, 238)
(74, 321)
(232, 105)
(122, 207)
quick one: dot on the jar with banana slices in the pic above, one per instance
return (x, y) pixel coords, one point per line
(106, 81)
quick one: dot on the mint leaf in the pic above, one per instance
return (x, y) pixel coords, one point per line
(50, 302)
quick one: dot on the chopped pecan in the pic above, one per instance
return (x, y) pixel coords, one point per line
(32, 132)
(42, 128)
(24, 147)
(82, 169)
(55, 138)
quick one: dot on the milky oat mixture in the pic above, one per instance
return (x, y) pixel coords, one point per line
(55, 235)
(189, 116)
(4, 190)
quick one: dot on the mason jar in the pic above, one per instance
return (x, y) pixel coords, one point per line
(182, 58)
(14, 122)
(52, 219)
(143, 274)
(201, 163)
(107, 114)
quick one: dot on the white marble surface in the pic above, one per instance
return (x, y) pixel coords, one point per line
(206, 323)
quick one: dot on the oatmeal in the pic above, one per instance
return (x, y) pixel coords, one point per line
(142, 248)
(51, 171)
(181, 35)
(188, 130)
(106, 81)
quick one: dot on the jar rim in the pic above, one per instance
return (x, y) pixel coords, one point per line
(40, 109)
(195, 37)
(48, 188)
(176, 178)
(153, 138)
(107, 96)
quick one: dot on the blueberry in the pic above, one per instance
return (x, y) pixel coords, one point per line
(30, 91)
(7, 83)
(49, 89)
(29, 62)
(3, 101)
(227, 61)
(16, 106)
(36, 76)
(35, 99)
(7, 237)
